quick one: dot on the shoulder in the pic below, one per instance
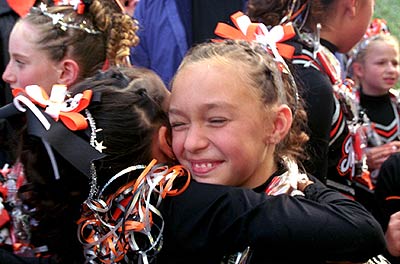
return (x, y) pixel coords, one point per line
(313, 81)
(390, 168)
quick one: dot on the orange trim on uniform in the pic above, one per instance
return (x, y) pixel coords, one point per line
(393, 197)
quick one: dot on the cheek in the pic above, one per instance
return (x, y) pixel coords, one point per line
(240, 150)
(33, 76)
(24, 79)
(398, 69)
(177, 143)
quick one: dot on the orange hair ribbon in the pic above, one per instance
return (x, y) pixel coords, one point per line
(56, 106)
(249, 31)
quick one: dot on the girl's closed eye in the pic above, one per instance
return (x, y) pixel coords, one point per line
(218, 121)
(177, 125)
(19, 62)
(380, 62)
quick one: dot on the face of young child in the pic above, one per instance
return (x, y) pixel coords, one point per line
(28, 65)
(380, 69)
(220, 127)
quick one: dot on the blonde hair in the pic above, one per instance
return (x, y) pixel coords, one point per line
(364, 46)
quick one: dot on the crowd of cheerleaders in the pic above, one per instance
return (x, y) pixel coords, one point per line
(109, 224)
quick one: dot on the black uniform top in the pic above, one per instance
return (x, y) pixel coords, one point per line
(330, 145)
(387, 193)
(319, 103)
(387, 190)
(206, 222)
(383, 113)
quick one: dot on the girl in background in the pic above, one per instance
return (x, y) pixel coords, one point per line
(67, 43)
(376, 69)
(322, 29)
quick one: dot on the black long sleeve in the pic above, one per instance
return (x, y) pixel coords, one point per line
(318, 99)
(388, 185)
(209, 221)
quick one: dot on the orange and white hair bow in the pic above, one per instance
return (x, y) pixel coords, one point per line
(55, 106)
(249, 31)
(77, 4)
(377, 26)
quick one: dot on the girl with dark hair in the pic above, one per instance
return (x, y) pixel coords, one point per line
(322, 28)
(62, 167)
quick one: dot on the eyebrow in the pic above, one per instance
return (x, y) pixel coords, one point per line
(204, 107)
(19, 55)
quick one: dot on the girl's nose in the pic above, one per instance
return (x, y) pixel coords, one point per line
(8, 76)
(195, 140)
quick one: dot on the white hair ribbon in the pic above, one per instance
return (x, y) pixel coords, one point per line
(55, 106)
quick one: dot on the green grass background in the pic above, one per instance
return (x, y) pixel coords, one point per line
(390, 11)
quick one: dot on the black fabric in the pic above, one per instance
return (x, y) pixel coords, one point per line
(207, 13)
(65, 142)
(7, 20)
(11, 120)
(317, 94)
(388, 184)
(330, 146)
(8, 110)
(207, 222)
(6, 257)
(378, 108)
(184, 8)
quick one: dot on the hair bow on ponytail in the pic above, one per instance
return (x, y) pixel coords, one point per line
(377, 26)
(55, 106)
(249, 31)
(79, 5)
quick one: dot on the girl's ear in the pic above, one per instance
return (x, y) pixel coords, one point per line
(163, 142)
(69, 72)
(351, 7)
(281, 124)
(358, 69)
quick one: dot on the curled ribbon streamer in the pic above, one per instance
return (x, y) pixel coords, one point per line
(246, 30)
(28, 103)
(110, 225)
(56, 105)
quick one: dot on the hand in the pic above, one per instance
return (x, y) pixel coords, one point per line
(303, 183)
(377, 155)
(392, 235)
